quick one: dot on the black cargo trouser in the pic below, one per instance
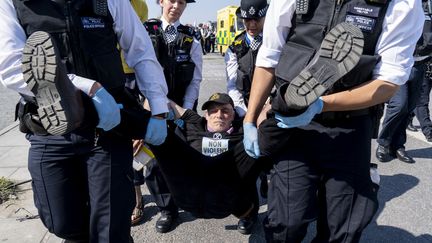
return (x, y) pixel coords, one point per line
(83, 192)
(317, 177)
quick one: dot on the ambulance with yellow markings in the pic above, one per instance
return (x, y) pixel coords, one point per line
(228, 27)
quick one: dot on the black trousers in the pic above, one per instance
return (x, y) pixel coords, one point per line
(422, 109)
(399, 109)
(208, 187)
(317, 177)
(83, 192)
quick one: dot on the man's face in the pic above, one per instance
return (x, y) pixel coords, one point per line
(172, 9)
(254, 27)
(219, 117)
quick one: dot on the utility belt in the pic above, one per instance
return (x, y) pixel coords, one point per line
(134, 118)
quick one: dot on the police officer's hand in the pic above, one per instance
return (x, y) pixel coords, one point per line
(302, 119)
(250, 140)
(107, 108)
(156, 131)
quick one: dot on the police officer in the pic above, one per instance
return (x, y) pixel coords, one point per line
(240, 64)
(241, 54)
(422, 109)
(80, 164)
(180, 55)
(392, 138)
(323, 170)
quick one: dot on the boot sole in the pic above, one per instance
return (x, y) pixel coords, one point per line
(41, 73)
(339, 53)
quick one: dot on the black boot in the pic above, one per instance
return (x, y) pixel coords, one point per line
(60, 106)
(384, 154)
(402, 155)
(339, 53)
(165, 221)
(246, 224)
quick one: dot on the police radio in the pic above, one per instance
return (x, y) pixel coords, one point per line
(100, 7)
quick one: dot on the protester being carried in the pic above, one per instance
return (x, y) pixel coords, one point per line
(214, 176)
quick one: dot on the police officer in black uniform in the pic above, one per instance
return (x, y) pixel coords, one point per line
(179, 53)
(333, 62)
(392, 138)
(241, 54)
(73, 84)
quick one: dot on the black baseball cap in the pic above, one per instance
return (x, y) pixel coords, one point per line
(219, 98)
(190, 1)
(252, 9)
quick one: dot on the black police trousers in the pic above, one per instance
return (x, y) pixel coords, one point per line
(422, 109)
(83, 192)
(399, 109)
(208, 187)
(317, 177)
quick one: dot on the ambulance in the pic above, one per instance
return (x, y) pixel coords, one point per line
(228, 27)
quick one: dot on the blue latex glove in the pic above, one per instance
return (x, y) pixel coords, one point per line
(156, 131)
(250, 140)
(171, 115)
(302, 119)
(107, 108)
(179, 123)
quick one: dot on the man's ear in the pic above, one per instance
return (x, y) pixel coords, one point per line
(206, 114)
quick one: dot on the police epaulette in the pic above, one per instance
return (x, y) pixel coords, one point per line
(186, 30)
(153, 25)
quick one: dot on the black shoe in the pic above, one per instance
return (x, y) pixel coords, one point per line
(339, 53)
(383, 154)
(60, 103)
(411, 127)
(402, 155)
(165, 222)
(245, 225)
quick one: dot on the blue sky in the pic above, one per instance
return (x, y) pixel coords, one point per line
(200, 11)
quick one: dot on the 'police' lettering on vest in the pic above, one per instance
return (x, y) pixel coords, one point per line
(364, 23)
(92, 23)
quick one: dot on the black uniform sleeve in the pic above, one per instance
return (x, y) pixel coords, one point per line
(191, 116)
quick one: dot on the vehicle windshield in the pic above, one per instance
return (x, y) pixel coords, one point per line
(240, 25)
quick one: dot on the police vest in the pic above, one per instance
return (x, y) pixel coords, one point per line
(174, 57)
(246, 58)
(86, 41)
(309, 30)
